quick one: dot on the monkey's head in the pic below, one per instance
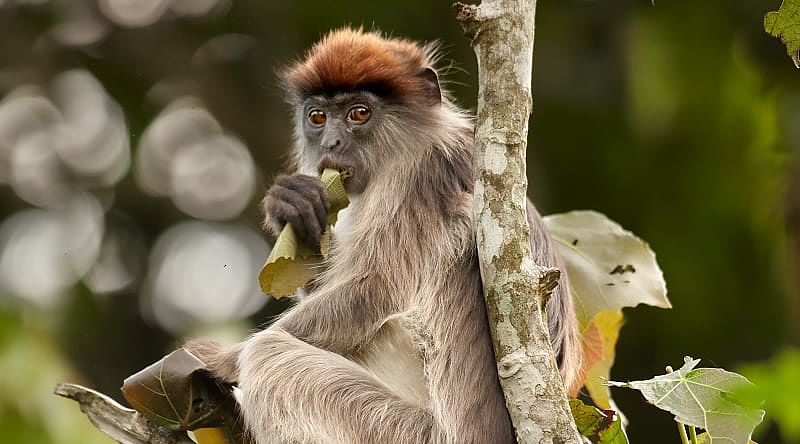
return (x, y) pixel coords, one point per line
(362, 100)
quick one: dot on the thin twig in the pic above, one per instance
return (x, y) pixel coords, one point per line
(682, 432)
(693, 434)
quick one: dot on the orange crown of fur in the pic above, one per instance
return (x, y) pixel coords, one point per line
(353, 60)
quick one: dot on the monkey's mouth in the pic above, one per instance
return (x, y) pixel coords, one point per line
(346, 173)
(346, 169)
(354, 174)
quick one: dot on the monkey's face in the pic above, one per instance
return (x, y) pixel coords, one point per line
(346, 131)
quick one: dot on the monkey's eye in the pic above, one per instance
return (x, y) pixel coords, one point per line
(317, 117)
(359, 114)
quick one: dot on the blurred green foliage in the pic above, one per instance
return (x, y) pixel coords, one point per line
(778, 384)
(32, 365)
(680, 120)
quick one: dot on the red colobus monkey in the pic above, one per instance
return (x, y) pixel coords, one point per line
(392, 345)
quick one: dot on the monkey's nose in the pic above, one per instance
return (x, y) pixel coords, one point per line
(331, 145)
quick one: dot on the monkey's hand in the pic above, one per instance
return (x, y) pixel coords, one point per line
(221, 363)
(299, 200)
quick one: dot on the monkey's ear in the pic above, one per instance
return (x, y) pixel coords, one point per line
(433, 90)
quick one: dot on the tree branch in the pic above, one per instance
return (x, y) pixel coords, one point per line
(124, 425)
(515, 287)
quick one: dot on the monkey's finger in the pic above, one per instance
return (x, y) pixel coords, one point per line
(311, 188)
(312, 227)
(311, 231)
(273, 221)
(306, 214)
(319, 199)
(297, 181)
(314, 232)
(275, 212)
(324, 203)
(308, 185)
(288, 214)
(204, 349)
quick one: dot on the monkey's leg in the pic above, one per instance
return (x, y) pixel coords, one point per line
(296, 392)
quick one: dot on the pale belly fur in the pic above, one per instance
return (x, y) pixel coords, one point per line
(393, 358)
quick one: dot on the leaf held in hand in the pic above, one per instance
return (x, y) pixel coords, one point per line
(292, 264)
(601, 427)
(176, 393)
(708, 398)
(785, 25)
(332, 181)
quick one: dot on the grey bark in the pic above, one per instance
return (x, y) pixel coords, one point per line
(515, 287)
(124, 425)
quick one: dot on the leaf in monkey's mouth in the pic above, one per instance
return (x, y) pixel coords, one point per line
(345, 173)
(292, 264)
(346, 169)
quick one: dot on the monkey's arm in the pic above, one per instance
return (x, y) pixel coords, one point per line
(340, 318)
(221, 362)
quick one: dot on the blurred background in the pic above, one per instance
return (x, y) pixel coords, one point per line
(137, 137)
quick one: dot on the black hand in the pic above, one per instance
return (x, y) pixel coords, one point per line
(301, 201)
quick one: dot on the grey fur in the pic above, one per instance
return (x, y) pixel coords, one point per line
(393, 344)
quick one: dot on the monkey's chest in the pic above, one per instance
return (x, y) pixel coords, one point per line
(394, 358)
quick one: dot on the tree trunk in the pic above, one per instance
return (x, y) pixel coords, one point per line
(515, 287)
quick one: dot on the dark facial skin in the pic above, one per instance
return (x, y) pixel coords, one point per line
(336, 130)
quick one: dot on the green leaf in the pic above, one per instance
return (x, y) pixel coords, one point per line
(708, 398)
(601, 427)
(289, 266)
(609, 267)
(703, 438)
(778, 383)
(785, 24)
(176, 393)
(292, 264)
(332, 181)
